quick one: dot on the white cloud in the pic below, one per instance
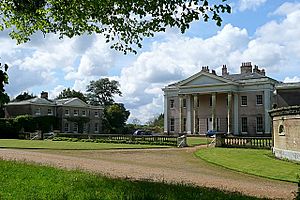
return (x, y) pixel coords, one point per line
(286, 8)
(173, 60)
(250, 4)
(291, 80)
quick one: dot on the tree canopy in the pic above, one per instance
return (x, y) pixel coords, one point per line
(115, 117)
(24, 96)
(68, 93)
(123, 22)
(4, 98)
(102, 91)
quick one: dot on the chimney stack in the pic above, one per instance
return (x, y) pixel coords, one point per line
(213, 72)
(246, 68)
(44, 95)
(205, 69)
(224, 70)
(259, 71)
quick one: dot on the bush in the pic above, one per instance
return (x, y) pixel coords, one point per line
(9, 128)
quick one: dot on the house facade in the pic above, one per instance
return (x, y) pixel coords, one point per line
(73, 115)
(229, 103)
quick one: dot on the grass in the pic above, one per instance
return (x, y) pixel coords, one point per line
(193, 141)
(48, 144)
(252, 161)
(26, 181)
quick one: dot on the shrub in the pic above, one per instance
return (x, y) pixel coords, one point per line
(8, 128)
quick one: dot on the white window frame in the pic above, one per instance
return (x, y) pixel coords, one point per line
(67, 112)
(259, 104)
(38, 111)
(96, 114)
(75, 112)
(244, 132)
(172, 103)
(51, 111)
(242, 100)
(75, 127)
(66, 127)
(172, 124)
(83, 113)
(262, 125)
(96, 128)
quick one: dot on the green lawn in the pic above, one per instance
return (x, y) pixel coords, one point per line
(26, 181)
(48, 144)
(193, 141)
(252, 161)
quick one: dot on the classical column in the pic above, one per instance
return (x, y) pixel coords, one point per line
(166, 111)
(236, 114)
(267, 106)
(229, 105)
(180, 114)
(194, 113)
(213, 111)
(189, 114)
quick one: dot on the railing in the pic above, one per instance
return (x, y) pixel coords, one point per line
(244, 142)
(114, 138)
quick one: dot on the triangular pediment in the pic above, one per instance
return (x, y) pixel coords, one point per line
(75, 102)
(204, 78)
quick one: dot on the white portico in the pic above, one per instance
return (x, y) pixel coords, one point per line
(228, 103)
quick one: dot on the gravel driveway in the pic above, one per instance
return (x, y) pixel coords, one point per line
(170, 165)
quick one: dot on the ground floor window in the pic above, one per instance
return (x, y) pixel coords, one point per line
(96, 128)
(84, 128)
(66, 128)
(198, 125)
(172, 124)
(244, 125)
(184, 124)
(75, 127)
(259, 124)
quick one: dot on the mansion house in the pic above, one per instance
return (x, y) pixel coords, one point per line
(231, 103)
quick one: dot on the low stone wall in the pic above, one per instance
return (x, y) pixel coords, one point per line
(286, 132)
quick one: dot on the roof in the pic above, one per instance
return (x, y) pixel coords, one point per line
(232, 78)
(287, 86)
(74, 102)
(245, 76)
(35, 100)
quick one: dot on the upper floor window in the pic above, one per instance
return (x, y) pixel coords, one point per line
(184, 103)
(38, 111)
(75, 112)
(96, 114)
(50, 111)
(198, 102)
(83, 113)
(67, 112)
(210, 101)
(259, 100)
(172, 103)
(244, 101)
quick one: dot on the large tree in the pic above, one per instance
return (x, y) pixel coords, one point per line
(4, 98)
(115, 117)
(24, 96)
(102, 91)
(124, 22)
(68, 93)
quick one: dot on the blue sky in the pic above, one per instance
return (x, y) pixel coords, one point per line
(264, 32)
